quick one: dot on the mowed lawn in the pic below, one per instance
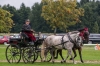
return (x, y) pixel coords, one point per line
(91, 57)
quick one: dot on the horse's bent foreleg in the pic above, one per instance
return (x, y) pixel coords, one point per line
(74, 51)
(79, 50)
(60, 53)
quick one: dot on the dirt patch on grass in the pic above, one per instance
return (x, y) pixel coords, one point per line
(68, 61)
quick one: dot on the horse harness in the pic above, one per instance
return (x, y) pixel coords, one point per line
(62, 41)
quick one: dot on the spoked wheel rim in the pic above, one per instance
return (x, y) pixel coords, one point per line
(28, 55)
(13, 53)
(36, 56)
(48, 57)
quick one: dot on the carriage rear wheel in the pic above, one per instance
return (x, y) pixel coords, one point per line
(13, 53)
(28, 55)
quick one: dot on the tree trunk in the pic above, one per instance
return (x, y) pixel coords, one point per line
(55, 31)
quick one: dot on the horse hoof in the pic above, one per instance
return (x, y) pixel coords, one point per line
(61, 61)
(64, 61)
(53, 62)
(70, 58)
(44, 61)
(55, 57)
(75, 63)
(82, 61)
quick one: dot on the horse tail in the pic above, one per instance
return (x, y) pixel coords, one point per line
(42, 50)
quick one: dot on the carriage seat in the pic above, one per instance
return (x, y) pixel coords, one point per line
(24, 35)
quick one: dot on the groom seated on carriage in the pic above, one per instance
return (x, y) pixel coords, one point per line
(26, 29)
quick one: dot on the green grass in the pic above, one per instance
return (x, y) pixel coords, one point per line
(48, 64)
(88, 53)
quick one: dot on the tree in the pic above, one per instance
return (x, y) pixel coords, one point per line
(20, 16)
(82, 2)
(6, 22)
(95, 28)
(90, 15)
(15, 16)
(61, 13)
(37, 22)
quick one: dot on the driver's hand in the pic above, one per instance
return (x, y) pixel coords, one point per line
(32, 30)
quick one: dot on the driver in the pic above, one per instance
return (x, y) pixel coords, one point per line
(26, 28)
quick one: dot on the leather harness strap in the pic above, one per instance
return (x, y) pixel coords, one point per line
(62, 42)
(71, 39)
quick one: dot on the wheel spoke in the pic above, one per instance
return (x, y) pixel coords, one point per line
(13, 54)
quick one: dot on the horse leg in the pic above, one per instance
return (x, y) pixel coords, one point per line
(66, 57)
(70, 53)
(60, 53)
(56, 53)
(52, 54)
(74, 51)
(45, 54)
(79, 50)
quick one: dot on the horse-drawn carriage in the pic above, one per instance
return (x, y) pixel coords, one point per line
(22, 48)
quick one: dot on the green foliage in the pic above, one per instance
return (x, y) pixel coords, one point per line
(6, 22)
(61, 13)
(82, 2)
(19, 16)
(91, 15)
(95, 28)
(37, 22)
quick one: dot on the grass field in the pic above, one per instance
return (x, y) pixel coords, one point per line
(91, 57)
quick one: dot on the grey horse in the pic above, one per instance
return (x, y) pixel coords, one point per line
(58, 42)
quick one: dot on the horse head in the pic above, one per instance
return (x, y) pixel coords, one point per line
(76, 39)
(86, 36)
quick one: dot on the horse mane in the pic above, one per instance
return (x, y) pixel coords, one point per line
(73, 32)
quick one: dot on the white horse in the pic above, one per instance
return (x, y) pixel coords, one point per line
(58, 42)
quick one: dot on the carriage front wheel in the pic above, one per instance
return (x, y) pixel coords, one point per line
(28, 55)
(13, 53)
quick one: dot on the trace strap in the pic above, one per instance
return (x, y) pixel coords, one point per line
(70, 39)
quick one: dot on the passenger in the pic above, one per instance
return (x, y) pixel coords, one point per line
(83, 32)
(28, 30)
(86, 34)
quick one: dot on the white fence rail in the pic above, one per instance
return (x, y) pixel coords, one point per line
(91, 44)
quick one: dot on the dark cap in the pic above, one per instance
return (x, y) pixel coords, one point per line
(27, 20)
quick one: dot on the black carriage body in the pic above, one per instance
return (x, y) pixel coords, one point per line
(18, 41)
(21, 47)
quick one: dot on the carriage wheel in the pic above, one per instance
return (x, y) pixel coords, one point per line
(13, 53)
(36, 56)
(28, 55)
(48, 57)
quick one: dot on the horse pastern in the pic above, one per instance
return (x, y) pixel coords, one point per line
(53, 62)
(70, 59)
(75, 63)
(64, 61)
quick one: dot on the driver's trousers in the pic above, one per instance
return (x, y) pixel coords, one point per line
(30, 35)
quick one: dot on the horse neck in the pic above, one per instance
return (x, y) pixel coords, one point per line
(73, 36)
